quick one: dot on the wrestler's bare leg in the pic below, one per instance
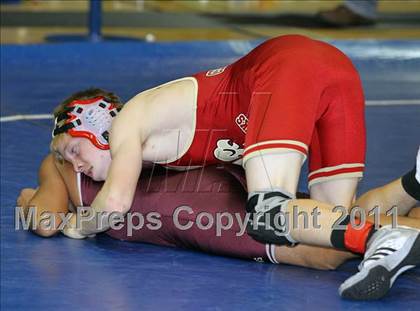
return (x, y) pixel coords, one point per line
(315, 257)
(337, 192)
(264, 173)
(269, 172)
(324, 258)
(386, 197)
(302, 255)
(389, 195)
(281, 171)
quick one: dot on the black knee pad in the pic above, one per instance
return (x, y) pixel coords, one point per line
(268, 219)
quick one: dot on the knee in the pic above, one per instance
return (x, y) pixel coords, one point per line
(335, 192)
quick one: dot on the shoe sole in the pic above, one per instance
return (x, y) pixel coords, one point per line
(374, 283)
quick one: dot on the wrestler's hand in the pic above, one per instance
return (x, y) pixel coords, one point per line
(72, 231)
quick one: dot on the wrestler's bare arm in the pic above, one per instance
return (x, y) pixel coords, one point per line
(149, 127)
(128, 133)
(51, 196)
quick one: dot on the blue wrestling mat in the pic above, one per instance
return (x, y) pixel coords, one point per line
(105, 274)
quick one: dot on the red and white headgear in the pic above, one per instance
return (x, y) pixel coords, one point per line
(89, 118)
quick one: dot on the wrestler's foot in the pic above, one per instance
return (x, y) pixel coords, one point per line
(343, 17)
(390, 252)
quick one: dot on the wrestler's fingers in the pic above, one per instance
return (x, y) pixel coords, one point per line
(73, 231)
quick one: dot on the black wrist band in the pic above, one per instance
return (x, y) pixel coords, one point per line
(411, 185)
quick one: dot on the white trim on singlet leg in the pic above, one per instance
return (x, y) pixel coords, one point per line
(273, 253)
(269, 251)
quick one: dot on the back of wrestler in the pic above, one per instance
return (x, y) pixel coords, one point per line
(183, 210)
(226, 95)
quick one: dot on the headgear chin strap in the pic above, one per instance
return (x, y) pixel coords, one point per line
(90, 118)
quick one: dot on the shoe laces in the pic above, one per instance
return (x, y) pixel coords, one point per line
(384, 242)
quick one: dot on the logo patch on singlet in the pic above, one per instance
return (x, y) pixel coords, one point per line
(215, 72)
(227, 151)
(242, 121)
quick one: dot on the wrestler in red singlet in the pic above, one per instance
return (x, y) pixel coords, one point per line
(289, 93)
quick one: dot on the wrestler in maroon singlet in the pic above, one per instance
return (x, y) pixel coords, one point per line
(211, 190)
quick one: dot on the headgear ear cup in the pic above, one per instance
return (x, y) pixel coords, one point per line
(89, 118)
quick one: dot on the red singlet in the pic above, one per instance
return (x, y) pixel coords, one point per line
(289, 93)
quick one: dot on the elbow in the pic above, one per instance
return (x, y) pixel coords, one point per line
(45, 233)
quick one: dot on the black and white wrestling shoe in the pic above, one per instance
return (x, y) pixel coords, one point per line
(390, 252)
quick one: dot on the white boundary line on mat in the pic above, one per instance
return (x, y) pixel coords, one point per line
(19, 117)
(394, 102)
(397, 102)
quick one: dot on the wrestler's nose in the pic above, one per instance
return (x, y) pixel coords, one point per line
(77, 166)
